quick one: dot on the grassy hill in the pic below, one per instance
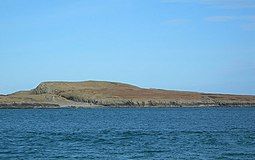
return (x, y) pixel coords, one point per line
(99, 93)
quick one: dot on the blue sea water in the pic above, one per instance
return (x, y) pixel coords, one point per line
(128, 133)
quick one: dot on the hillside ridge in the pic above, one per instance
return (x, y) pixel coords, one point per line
(103, 93)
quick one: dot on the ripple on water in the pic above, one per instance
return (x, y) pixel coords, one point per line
(93, 134)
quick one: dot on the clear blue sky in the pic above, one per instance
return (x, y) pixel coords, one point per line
(197, 45)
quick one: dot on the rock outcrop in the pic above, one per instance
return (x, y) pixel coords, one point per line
(98, 93)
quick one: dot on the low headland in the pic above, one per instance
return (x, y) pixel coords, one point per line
(100, 93)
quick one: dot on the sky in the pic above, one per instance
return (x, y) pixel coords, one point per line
(191, 45)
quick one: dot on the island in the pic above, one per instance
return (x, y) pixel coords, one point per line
(102, 93)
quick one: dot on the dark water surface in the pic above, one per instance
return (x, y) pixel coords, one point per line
(128, 133)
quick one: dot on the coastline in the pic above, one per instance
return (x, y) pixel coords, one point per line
(101, 94)
(116, 107)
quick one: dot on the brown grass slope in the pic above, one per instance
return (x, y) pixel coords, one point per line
(99, 93)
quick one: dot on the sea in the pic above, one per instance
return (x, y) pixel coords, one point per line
(128, 133)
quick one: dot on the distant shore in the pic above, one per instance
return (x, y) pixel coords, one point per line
(94, 94)
(103, 107)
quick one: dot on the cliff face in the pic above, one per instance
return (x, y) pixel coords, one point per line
(95, 93)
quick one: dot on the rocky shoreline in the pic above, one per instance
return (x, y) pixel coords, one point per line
(54, 106)
(91, 94)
